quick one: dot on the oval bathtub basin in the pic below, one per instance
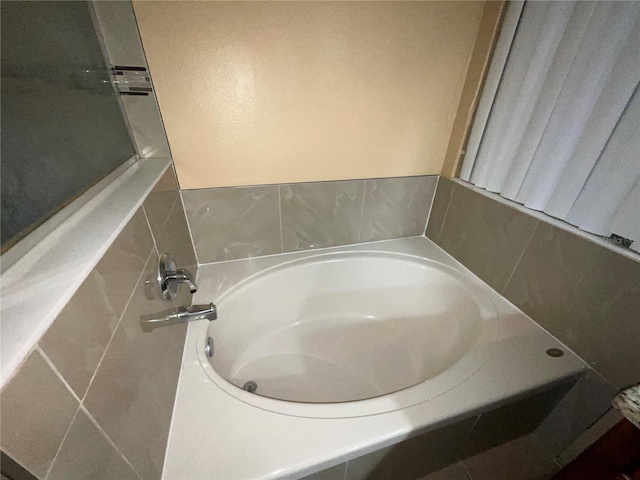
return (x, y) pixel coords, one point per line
(344, 327)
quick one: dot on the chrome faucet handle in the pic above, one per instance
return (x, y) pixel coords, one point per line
(182, 276)
(169, 277)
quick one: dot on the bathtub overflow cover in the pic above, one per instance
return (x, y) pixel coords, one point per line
(555, 352)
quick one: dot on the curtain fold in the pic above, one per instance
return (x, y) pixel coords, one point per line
(563, 131)
(613, 178)
(498, 61)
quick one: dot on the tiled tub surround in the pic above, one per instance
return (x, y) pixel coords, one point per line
(517, 385)
(95, 396)
(586, 295)
(238, 222)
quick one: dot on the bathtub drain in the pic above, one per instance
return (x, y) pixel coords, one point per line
(250, 387)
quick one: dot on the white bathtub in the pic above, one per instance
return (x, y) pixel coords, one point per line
(382, 331)
(352, 349)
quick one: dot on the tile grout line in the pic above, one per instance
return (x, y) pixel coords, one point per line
(173, 208)
(557, 462)
(164, 224)
(173, 205)
(56, 371)
(48, 361)
(153, 237)
(475, 422)
(62, 443)
(104, 433)
(459, 450)
(280, 214)
(117, 325)
(81, 405)
(464, 469)
(174, 407)
(433, 198)
(364, 195)
(186, 218)
(524, 249)
(446, 212)
(543, 449)
(80, 401)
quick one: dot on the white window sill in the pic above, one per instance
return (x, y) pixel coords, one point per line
(38, 286)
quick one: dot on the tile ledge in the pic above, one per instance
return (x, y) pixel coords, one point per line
(38, 286)
(306, 182)
(315, 251)
(562, 225)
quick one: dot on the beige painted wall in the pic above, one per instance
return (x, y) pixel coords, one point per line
(274, 92)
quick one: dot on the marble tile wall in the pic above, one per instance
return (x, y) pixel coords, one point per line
(586, 295)
(522, 458)
(94, 398)
(228, 223)
(239, 222)
(574, 415)
(486, 236)
(316, 215)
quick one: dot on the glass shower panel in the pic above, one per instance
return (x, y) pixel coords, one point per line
(62, 127)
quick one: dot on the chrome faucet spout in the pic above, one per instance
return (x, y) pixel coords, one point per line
(187, 313)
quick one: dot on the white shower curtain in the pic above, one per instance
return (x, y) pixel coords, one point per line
(561, 131)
